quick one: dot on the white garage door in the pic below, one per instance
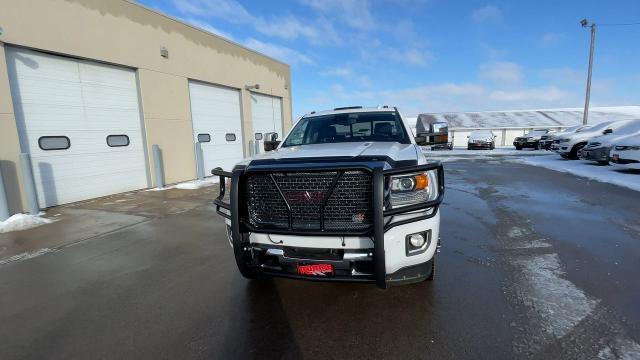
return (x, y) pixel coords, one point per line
(80, 120)
(267, 114)
(217, 124)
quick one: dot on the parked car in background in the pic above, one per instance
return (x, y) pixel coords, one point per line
(447, 146)
(546, 141)
(530, 140)
(481, 139)
(626, 152)
(569, 145)
(599, 147)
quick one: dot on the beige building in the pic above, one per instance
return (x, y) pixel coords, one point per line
(88, 87)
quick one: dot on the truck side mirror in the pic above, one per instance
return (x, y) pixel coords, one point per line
(420, 140)
(271, 141)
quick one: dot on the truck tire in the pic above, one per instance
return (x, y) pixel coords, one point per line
(518, 147)
(433, 269)
(468, 147)
(493, 146)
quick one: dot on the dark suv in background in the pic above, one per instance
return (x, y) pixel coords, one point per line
(531, 139)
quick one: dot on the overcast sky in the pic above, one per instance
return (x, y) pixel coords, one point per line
(434, 55)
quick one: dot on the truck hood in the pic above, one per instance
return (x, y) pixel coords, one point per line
(392, 150)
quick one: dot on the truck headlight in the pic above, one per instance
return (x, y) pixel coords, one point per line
(411, 189)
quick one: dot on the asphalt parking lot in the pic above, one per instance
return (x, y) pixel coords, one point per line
(535, 264)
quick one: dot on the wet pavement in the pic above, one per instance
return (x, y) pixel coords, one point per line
(535, 264)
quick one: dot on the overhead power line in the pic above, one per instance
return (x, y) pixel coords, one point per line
(620, 24)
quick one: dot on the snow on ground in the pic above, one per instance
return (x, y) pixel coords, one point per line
(508, 151)
(191, 185)
(19, 222)
(607, 174)
(463, 154)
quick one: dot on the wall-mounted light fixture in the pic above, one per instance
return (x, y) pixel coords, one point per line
(252, 87)
(164, 52)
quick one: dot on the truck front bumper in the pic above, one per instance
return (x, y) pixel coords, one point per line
(350, 256)
(383, 243)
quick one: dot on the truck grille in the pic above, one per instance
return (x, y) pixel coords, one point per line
(347, 205)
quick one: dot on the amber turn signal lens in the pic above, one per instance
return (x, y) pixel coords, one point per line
(422, 181)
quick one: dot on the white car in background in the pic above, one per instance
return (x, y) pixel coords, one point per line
(626, 153)
(569, 145)
(481, 139)
(599, 147)
(546, 141)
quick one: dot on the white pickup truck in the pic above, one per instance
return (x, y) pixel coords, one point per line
(347, 196)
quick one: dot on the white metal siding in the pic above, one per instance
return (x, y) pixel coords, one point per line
(267, 114)
(512, 134)
(215, 110)
(85, 101)
(460, 138)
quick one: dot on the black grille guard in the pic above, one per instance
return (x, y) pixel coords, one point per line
(238, 227)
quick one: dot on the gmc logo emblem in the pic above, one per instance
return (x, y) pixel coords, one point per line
(304, 196)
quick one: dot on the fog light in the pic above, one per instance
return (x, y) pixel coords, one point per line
(416, 240)
(417, 243)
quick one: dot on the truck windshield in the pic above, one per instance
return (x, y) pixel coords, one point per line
(349, 127)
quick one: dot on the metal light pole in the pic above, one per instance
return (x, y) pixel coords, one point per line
(585, 23)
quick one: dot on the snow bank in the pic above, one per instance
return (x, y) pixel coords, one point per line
(607, 174)
(19, 222)
(191, 185)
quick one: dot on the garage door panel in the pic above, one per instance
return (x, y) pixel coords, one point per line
(34, 91)
(97, 97)
(85, 102)
(35, 65)
(107, 76)
(48, 117)
(266, 114)
(65, 170)
(111, 120)
(216, 111)
(84, 142)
